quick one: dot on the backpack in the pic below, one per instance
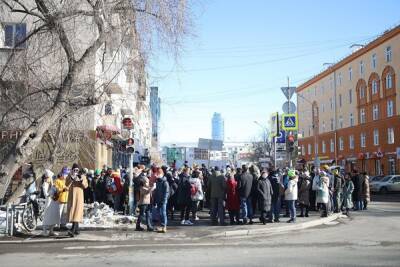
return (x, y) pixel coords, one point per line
(110, 185)
(193, 189)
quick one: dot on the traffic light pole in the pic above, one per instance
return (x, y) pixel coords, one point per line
(131, 189)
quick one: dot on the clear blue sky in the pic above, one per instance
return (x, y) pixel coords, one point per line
(244, 50)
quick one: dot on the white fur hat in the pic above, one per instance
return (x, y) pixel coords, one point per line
(48, 173)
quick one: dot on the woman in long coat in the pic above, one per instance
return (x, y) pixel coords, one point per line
(232, 198)
(348, 189)
(264, 192)
(77, 182)
(304, 193)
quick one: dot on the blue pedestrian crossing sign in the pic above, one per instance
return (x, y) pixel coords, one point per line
(289, 122)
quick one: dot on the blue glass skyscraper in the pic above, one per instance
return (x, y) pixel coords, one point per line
(217, 127)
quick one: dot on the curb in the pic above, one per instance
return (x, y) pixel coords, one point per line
(277, 230)
(231, 233)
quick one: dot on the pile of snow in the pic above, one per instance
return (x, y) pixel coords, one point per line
(101, 214)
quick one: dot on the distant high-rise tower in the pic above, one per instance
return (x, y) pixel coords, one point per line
(217, 123)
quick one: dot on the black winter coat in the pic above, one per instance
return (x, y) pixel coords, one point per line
(264, 192)
(245, 184)
(276, 188)
(184, 191)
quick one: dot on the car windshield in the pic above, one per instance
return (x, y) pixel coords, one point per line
(377, 178)
(386, 178)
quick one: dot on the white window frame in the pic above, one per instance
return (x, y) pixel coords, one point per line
(14, 35)
(374, 85)
(389, 81)
(390, 136)
(309, 148)
(388, 53)
(350, 96)
(323, 126)
(351, 119)
(362, 92)
(376, 137)
(340, 100)
(340, 122)
(351, 141)
(332, 146)
(332, 125)
(362, 116)
(350, 73)
(340, 79)
(389, 108)
(361, 67)
(363, 140)
(341, 143)
(373, 61)
(323, 147)
(375, 112)
(303, 150)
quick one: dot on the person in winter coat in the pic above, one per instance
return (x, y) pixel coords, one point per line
(313, 206)
(365, 191)
(348, 189)
(47, 184)
(245, 186)
(358, 182)
(232, 200)
(291, 195)
(321, 186)
(255, 172)
(196, 193)
(88, 193)
(114, 187)
(144, 205)
(160, 198)
(184, 196)
(217, 189)
(264, 192)
(173, 180)
(337, 191)
(77, 182)
(277, 188)
(304, 193)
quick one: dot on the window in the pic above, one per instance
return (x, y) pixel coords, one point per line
(309, 149)
(390, 136)
(392, 166)
(374, 87)
(340, 100)
(331, 124)
(362, 115)
(350, 73)
(389, 108)
(376, 137)
(323, 126)
(375, 112)
(373, 61)
(315, 91)
(340, 121)
(361, 67)
(351, 141)
(389, 82)
(108, 109)
(14, 34)
(388, 54)
(350, 96)
(331, 103)
(323, 147)
(363, 138)
(340, 79)
(341, 144)
(316, 148)
(303, 150)
(362, 92)
(332, 146)
(351, 119)
(323, 107)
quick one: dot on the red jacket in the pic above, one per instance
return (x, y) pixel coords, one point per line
(118, 184)
(232, 201)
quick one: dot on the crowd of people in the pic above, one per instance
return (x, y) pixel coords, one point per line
(161, 192)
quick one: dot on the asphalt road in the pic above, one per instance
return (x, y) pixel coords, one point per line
(368, 238)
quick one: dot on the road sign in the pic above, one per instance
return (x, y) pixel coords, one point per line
(287, 105)
(274, 124)
(288, 91)
(281, 137)
(289, 122)
(280, 147)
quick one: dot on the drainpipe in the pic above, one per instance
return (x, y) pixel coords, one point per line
(335, 111)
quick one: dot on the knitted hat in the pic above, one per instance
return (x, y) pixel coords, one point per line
(75, 166)
(65, 171)
(291, 173)
(97, 172)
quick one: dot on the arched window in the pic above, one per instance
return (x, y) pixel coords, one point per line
(389, 82)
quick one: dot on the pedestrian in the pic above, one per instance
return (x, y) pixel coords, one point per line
(245, 185)
(114, 186)
(232, 199)
(144, 204)
(138, 178)
(255, 172)
(277, 191)
(58, 197)
(173, 180)
(313, 192)
(365, 191)
(291, 195)
(358, 182)
(99, 186)
(161, 194)
(77, 182)
(184, 196)
(217, 187)
(88, 193)
(196, 193)
(264, 193)
(63, 198)
(46, 188)
(348, 189)
(322, 192)
(110, 187)
(337, 191)
(304, 193)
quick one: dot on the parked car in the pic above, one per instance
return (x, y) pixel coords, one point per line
(390, 183)
(376, 178)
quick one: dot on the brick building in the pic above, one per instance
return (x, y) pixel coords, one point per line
(349, 114)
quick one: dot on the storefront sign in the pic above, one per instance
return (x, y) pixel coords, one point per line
(10, 135)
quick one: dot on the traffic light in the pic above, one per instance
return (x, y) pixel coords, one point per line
(291, 143)
(130, 145)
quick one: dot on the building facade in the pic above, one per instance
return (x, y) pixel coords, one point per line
(217, 127)
(349, 114)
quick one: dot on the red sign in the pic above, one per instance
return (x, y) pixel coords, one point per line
(127, 123)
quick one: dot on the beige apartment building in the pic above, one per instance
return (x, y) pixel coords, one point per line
(349, 114)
